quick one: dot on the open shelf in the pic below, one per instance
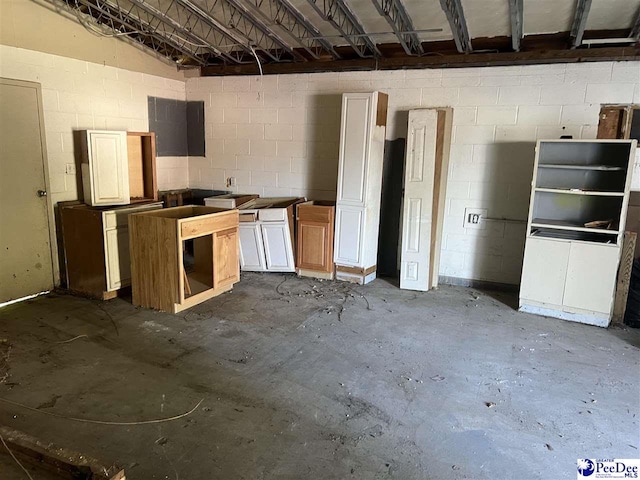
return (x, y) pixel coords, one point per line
(599, 168)
(573, 235)
(574, 191)
(566, 225)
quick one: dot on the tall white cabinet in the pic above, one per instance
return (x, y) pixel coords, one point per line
(362, 135)
(579, 198)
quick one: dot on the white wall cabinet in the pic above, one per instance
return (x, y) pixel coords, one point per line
(579, 199)
(105, 167)
(362, 135)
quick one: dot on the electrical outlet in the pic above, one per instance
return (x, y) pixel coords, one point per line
(231, 182)
(474, 217)
(70, 168)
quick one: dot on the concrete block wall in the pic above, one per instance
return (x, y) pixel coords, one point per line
(78, 95)
(83, 95)
(278, 135)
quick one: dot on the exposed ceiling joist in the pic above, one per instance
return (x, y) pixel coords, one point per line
(238, 17)
(179, 26)
(635, 30)
(400, 21)
(239, 53)
(344, 20)
(516, 12)
(303, 32)
(579, 22)
(138, 29)
(457, 22)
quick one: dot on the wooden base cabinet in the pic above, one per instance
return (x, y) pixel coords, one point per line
(362, 135)
(314, 229)
(167, 276)
(96, 246)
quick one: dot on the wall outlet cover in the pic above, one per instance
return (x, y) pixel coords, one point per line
(475, 218)
(70, 168)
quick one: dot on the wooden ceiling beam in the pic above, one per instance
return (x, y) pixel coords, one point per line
(452, 60)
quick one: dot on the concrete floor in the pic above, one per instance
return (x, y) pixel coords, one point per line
(323, 380)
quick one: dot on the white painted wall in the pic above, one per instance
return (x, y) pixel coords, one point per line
(79, 95)
(278, 135)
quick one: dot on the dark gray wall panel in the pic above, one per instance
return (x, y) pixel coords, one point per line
(178, 125)
(195, 129)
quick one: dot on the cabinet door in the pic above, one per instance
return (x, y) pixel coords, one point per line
(107, 167)
(591, 277)
(251, 247)
(354, 145)
(118, 260)
(225, 258)
(277, 247)
(349, 235)
(313, 246)
(544, 270)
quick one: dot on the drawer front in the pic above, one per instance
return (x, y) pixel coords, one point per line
(220, 202)
(202, 226)
(315, 213)
(120, 217)
(272, 214)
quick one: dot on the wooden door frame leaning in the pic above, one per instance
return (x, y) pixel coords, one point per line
(157, 255)
(624, 277)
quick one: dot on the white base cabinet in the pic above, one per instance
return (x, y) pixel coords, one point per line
(570, 280)
(266, 235)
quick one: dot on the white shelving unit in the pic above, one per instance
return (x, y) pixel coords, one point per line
(579, 198)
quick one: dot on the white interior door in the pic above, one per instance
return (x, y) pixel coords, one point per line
(108, 168)
(277, 247)
(251, 247)
(25, 242)
(418, 199)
